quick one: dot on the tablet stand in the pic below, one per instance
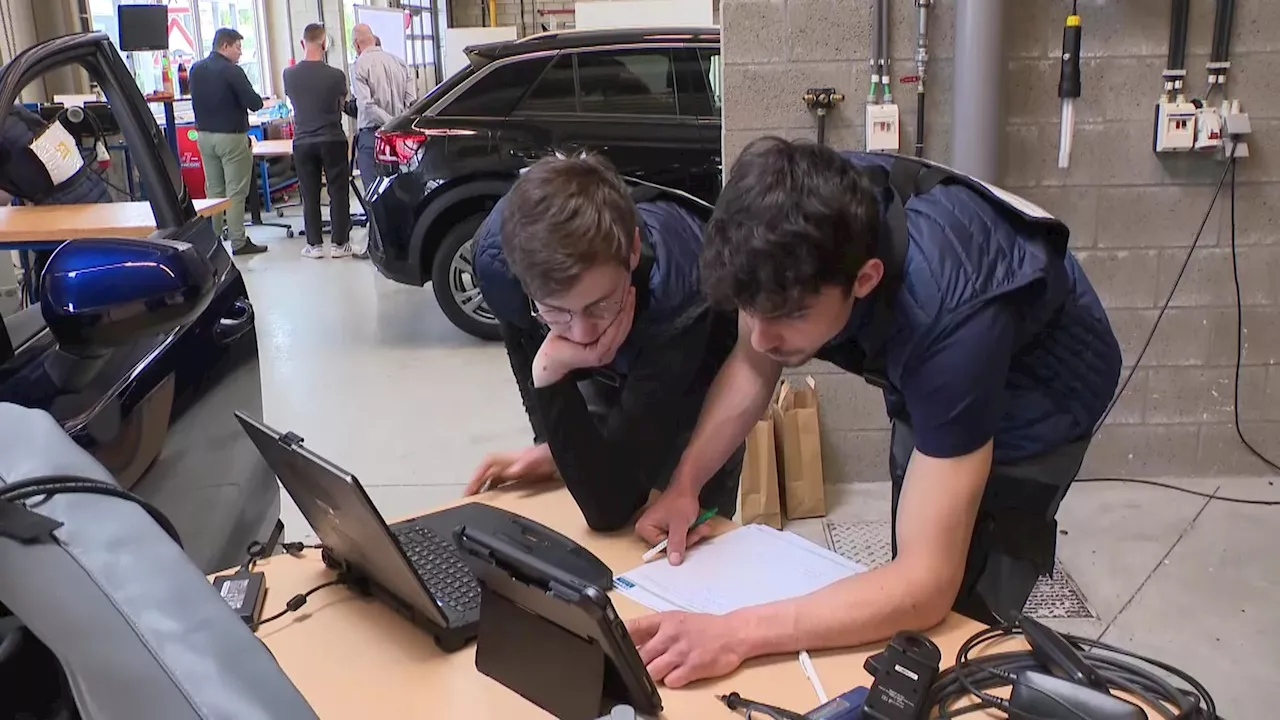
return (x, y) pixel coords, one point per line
(549, 666)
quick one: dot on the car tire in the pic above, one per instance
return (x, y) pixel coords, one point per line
(454, 283)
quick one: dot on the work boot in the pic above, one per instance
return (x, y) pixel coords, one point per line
(249, 248)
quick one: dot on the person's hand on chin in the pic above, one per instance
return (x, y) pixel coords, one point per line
(678, 648)
(560, 356)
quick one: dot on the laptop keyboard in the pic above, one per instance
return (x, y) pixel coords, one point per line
(440, 566)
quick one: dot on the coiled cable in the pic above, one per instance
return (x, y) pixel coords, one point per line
(972, 677)
(49, 485)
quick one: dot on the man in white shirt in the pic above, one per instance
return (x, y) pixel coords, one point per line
(383, 87)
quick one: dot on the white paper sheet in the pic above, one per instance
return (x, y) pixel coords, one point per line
(749, 566)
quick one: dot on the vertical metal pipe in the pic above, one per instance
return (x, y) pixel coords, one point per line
(922, 62)
(886, 17)
(977, 115)
(876, 53)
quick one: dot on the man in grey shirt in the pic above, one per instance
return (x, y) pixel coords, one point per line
(317, 92)
(383, 88)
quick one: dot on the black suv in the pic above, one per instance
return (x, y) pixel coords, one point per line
(648, 99)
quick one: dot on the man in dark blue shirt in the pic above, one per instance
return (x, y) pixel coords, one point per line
(996, 359)
(222, 98)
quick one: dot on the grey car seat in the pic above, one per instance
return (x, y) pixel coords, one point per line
(136, 629)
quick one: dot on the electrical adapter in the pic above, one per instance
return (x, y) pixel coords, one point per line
(904, 672)
(1046, 697)
(245, 591)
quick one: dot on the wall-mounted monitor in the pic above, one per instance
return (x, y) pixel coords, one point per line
(143, 27)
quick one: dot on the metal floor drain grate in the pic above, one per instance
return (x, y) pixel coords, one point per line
(1055, 596)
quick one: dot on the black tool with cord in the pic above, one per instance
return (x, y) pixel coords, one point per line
(553, 637)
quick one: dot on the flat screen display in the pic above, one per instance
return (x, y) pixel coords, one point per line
(143, 27)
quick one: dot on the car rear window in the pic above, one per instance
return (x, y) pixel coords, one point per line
(554, 93)
(497, 89)
(627, 82)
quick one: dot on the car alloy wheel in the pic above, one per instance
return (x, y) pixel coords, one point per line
(464, 286)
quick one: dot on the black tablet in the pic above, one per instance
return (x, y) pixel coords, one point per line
(552, 637)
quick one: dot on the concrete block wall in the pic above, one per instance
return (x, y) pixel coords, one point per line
(1133, 214)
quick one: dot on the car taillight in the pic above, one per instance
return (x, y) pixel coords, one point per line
(398, 148)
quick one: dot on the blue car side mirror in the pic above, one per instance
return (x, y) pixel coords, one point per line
(103, 293)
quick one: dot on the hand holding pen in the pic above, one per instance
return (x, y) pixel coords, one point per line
(662, 546)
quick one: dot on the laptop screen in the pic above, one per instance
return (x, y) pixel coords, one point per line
(342, 515)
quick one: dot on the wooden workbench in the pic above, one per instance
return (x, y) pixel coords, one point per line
(355, 658)
(46, 223)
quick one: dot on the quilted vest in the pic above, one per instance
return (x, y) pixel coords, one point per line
(1067, 363)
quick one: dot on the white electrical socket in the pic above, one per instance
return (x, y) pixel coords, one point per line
(1235, 125)
(882, 127)
(1208, 128)
(1175, 126)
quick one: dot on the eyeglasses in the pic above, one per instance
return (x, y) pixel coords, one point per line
(605, 310)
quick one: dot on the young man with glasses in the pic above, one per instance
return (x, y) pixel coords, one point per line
(595, 286)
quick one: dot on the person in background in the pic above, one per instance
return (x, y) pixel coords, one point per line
(610, 339)
(319, 143)
(383, 88)
(222, 98)
(996, 360)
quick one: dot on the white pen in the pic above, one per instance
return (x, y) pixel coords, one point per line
(806, 664)
(654, 552)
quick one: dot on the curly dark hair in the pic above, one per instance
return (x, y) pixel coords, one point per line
(793, 218)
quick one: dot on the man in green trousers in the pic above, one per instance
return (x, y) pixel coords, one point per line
(222, 97)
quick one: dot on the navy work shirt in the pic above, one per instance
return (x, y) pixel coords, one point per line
(221, 95)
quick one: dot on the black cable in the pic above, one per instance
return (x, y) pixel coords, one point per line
(920, 122)
(297, 601)
(1167, 486)
(102, 138)
(1229, 170)
(1178, 35)
(1168, 300)
(974, 676)
(1235, 274)
(40, 487)
(1223, 18)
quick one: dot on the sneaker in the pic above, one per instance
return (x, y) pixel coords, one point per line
(249, 248)
(313, 251)
(341, 251)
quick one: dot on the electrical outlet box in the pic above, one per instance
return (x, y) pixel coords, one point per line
(1208, 129)
(1235, 126)
(1175, 127)
(882, 127)
(1237, 123)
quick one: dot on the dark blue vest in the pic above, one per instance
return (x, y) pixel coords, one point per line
(1067, 362)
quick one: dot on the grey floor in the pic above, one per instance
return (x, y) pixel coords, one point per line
(374, 377)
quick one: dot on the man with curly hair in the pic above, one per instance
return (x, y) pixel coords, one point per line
(594, 281)
(996, 360)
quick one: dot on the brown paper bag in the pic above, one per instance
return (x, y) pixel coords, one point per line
(758, 484)
(800, 450)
